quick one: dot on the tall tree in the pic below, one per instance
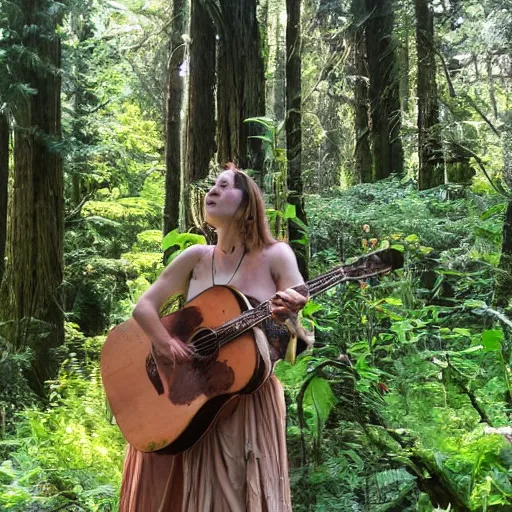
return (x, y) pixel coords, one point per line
(174, 103)
(79, 56)
(293, 126)
(362, 152)
(431, 168)
(199, 130)
(4, 176)
(383, 89)
(33, 273)
(240, 83)
(503, 282)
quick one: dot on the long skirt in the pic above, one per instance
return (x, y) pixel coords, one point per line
(239, 465)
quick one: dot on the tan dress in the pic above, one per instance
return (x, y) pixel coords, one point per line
(240, 465)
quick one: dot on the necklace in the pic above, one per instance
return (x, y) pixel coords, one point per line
(233, 275)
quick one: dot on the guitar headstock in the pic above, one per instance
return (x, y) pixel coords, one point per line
(374, 263)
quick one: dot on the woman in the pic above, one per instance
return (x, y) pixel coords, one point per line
(241, 463)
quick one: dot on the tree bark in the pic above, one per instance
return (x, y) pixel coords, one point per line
(83, 99)
(293, 126)
(174, 104)
(4, 176)
(503, 283)
(280, 74)
(34, 268)
(431, 168)
(240, 86)
(404, 67)
(362, 152)
(199, 135)
(384, 89)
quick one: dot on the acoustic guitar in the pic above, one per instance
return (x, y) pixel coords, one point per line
(170, 407)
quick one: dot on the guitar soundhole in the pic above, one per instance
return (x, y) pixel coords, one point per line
(204, 344)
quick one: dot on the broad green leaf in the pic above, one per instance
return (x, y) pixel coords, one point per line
(170, 239)
(462, 332)
(493, 210)
(394, 301)
(264, 138)
(292, 375)
(491, 340)
(290, 211)
(318, 401)
(268, 122)
(311, 308)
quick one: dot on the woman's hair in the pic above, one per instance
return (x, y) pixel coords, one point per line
(250, 218)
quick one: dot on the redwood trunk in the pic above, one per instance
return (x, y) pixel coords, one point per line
(199, 136)
(35, 232)
(241, 84)
(504, 276)
(431, 168)
(4, 175)
(174, 104)
(294, 129)
(384, 89)
(362, 153)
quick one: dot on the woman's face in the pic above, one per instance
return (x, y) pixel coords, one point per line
(223, 200)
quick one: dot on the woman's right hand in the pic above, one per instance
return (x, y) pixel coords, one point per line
(169, 352)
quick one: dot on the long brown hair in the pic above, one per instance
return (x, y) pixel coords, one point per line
(250, 218)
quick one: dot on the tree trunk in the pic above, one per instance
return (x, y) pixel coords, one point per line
(384, 89)
(405, 64)
(294, 129)
(4, 176)
(241, 85)
(492, 88)
(280, 74)
(362, 153)
(33, 273)
(503, 283)
(431, 168)
(83, 99)
(174, 104)
(199, 136)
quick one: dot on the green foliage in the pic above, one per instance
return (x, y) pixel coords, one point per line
(67, 454)
(149, 241)
(145, 264)
(410, 360)
(15, 393)
(181, 241)
(93, 285)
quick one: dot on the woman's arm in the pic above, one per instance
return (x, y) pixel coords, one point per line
(174, 279)
(286, 274)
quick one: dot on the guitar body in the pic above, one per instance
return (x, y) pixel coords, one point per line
(170, 409)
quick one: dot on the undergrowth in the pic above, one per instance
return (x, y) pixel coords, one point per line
(402, 405)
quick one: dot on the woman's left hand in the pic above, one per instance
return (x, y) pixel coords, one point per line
(286, 303)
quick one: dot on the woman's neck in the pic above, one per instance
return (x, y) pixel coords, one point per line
(228, 242)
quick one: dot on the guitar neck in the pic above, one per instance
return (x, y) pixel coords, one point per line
(370, 265)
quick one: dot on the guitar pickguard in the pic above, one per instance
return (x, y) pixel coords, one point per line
(190, 380)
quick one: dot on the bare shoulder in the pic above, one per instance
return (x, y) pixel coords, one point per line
(188, 259)
(279, 253)
(175, 277)
(283, 265)
(179, 270)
